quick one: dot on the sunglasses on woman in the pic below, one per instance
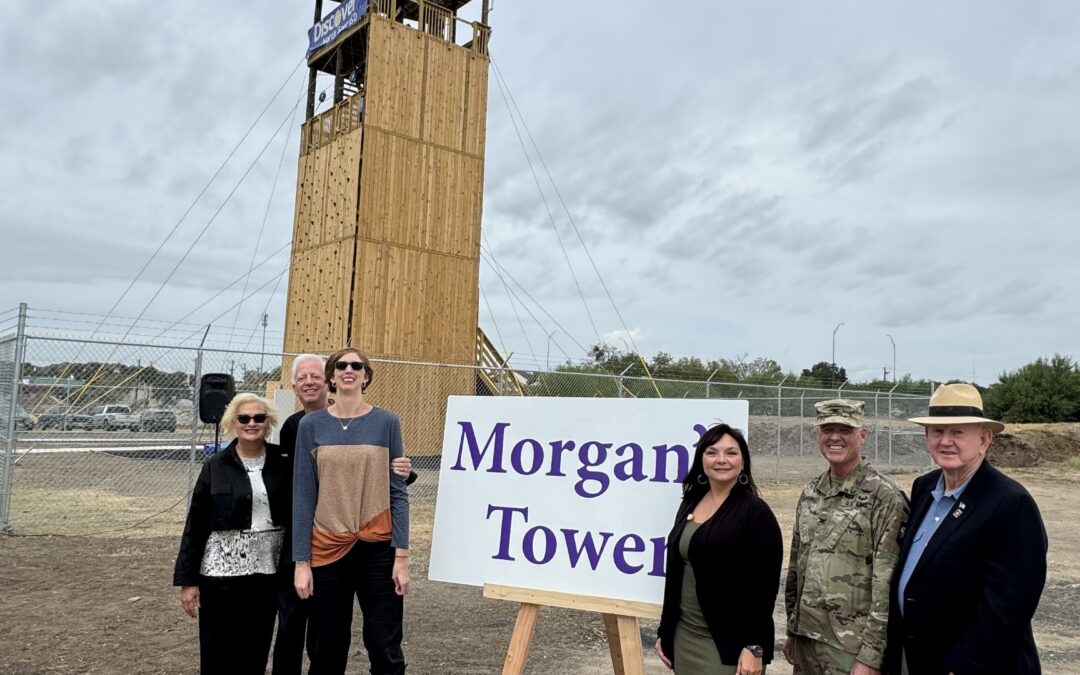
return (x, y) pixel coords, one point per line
(355, 365)
(258, 419)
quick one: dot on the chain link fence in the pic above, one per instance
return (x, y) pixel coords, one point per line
(103, 436)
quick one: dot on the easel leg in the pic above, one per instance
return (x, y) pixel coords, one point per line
(624, 643)
(518, 650)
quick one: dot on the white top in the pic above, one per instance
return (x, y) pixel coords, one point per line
(234, 553)
(260, 501)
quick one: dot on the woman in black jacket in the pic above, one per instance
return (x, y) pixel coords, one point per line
(723, 566)
(232, 542)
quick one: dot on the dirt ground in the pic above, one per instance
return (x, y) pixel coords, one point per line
(104, 604)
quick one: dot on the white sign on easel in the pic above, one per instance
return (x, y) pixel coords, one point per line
(570, 495)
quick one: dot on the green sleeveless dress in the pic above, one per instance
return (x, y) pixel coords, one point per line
(695, 651)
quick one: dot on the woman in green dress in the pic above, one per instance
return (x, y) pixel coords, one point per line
(723, 566)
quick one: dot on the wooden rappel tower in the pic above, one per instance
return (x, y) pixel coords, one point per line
(386, 239)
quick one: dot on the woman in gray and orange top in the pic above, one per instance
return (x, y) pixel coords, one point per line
(351, 522)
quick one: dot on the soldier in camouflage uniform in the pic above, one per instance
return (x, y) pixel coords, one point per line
(846, 541)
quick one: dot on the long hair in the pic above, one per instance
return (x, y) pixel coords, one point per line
(696, 484)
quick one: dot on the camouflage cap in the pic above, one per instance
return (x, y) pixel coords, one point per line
(839, 411)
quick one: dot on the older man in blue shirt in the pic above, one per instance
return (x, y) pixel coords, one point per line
(973, 561)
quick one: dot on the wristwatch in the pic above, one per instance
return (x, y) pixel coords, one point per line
(756, 650)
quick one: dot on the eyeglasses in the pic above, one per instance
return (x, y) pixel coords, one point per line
(258, 419)
(355, 365)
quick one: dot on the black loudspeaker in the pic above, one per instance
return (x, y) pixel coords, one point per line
(215, 392)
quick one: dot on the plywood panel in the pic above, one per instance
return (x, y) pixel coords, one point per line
(320, 166)
(444, 93)
(343, 174)
(350, 197)
(476, 105)
(391, 188)
(319, 284)
(332, 207)
(369, 316)
(415, 304)
(302, 210)
(395, 77)
(422, 196)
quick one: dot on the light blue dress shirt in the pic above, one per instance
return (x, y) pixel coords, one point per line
(944, 502)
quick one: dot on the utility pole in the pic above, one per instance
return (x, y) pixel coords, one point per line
(263, 355)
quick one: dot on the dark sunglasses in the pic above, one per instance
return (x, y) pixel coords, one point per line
(258, 419)
(355, 365)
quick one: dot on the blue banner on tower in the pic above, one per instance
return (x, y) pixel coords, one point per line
(335, 23)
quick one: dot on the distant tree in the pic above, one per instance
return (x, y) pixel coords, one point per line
(608, 359)
(1046, 390)
(825, 373)
(757, 370)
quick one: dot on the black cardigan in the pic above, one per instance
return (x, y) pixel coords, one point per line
(221, 500)
(736, 557)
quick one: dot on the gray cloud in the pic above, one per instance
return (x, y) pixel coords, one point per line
(850, 131)
(742, 183)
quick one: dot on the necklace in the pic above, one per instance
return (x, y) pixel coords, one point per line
(346, 422)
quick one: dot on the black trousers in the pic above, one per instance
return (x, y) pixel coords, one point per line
(292, 617)
(236, 624)
(364, 572)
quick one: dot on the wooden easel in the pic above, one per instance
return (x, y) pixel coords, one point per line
(620, 623)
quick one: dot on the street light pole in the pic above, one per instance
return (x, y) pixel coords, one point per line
(547, 356)
(261, 356)
(833, 373)
(893, 356)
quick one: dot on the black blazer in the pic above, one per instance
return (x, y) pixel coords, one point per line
(221, 500)
(969, 602)
(736, 557)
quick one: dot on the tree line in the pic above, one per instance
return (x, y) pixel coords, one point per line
(1045, 390)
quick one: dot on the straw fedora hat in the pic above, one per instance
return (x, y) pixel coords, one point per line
(957, 404)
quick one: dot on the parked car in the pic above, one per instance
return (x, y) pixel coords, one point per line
(24, 421)
(157, 420)
(65, 418)
(113, 417)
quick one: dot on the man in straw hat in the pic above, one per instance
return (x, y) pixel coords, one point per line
(973, 562)
(848, 527)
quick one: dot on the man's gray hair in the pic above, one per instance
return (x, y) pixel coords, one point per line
(307, 358)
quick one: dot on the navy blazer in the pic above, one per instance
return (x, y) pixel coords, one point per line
(970, 599)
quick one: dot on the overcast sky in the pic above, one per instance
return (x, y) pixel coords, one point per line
(745, 176)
